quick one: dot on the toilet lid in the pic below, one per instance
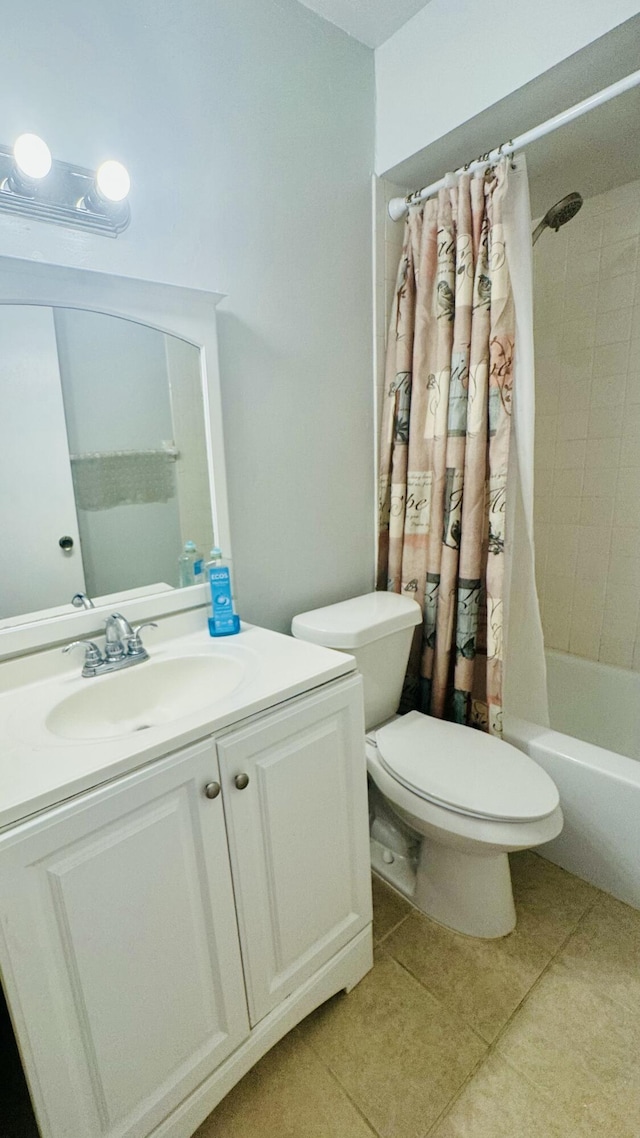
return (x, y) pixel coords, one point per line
(465, 770)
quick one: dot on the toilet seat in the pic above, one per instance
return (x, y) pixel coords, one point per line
(469, 773)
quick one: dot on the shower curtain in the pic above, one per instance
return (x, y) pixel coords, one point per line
(456, 456)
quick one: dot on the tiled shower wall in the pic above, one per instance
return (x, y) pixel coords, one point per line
(587, 333)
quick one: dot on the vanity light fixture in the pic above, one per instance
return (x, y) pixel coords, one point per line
(109, 188)
(112, 181)
(32, 159)
(34, 185)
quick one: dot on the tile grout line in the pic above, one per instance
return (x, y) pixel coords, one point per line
(560, 950)
(379, 944)
(445, 1007)
(492, 1048)
(467, 1079)
(552, 959)
(453, 1100)
(343, 1090)
(393, 929)
(489, 1047)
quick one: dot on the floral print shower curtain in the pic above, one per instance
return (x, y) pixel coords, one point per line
(446, 421)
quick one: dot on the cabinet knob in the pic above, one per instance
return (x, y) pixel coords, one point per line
(241, 780)
(212, 789)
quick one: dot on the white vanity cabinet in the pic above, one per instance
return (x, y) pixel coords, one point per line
(158, 936)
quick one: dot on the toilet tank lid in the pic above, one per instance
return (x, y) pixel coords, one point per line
(358, 621)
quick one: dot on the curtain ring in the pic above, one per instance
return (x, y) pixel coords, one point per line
(510, 143)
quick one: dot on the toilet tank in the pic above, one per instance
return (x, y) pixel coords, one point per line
(377, 629)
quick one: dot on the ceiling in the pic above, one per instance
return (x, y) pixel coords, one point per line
(370, 21)
(592, 155)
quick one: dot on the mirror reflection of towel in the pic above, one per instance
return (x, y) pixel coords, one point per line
(123, 478)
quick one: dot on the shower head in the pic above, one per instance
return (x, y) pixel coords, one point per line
(559, 214)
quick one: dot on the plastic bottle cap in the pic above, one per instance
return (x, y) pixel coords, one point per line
(215, 553)
(189, 546)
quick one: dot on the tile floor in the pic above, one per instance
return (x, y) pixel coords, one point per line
(536, 1035)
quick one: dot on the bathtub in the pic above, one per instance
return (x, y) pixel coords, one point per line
(592, 753)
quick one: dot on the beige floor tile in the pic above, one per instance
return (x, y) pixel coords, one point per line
(289, 1094)
(549, 901)
(604, 951)
(389, 908)
(580, 1049)
(499, 1103)
(482, 981)
(398, 1053)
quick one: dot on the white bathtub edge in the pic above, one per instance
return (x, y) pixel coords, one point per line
(600, 798)
(608, 763)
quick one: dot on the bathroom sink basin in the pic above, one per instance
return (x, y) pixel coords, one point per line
(146, 695)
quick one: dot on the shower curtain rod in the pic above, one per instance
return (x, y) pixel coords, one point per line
(399, 206)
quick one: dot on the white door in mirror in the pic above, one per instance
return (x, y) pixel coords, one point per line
(38, 566)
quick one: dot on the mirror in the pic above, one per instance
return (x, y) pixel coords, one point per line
(105, 455)
(112, 444)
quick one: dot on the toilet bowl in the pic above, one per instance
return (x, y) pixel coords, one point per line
(460, 875)
(447, 803)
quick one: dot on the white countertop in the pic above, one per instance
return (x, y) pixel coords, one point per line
(39, 769)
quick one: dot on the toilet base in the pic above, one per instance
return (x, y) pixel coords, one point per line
(468, 893)
(396, 869)
(454, 870)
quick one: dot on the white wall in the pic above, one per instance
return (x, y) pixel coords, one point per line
(455, 58)
(389, 240)
(247, 126)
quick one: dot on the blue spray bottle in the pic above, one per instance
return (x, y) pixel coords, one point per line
(223, 620)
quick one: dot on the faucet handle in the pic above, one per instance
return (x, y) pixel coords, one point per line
(147, 624)
(135, 646)
(93, 656)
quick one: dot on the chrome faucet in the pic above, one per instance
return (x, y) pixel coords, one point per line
(82, 601)
(117, 636)
(122, 647)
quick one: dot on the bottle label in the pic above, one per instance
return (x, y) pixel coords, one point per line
(198, 567)
(224, 618)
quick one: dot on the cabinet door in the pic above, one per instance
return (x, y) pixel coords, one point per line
(298, 836)
(119, 953)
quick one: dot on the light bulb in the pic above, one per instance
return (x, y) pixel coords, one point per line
(32, 156)
(113, 181)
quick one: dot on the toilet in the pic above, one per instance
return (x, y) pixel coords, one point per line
(447, 804)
